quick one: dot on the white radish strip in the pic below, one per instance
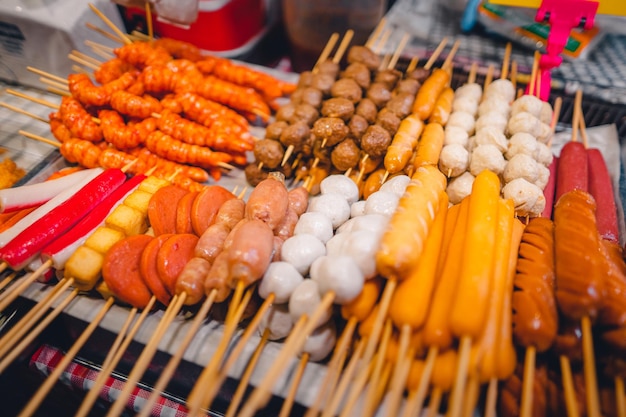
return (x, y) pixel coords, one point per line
(33, 195)
(17, 228)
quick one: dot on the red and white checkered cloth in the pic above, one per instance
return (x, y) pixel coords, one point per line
(47, 357)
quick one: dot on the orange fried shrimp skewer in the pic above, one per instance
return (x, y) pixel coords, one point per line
(178, 151)
(143, 54)
(121, 135)
(88, 94)
(269, 87)
(170, 79)
(58, 128)
(78, 120)
(152, 160)
(243, 99)
(129, 104)
(208, 112)
(194, 133)
(112, 70)
(179, 49)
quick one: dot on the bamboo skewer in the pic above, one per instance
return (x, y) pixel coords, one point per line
(285, 410)
(568, 387)
(414, 406)
(527, 382)
(435, 402)
(83, 62)
(170, 368)
(504, 71)
(109, 365)
(146, 355)
(376, 33)
(199, 398)
(589, 369)
(104, 33)
(36, 331)
(7, 280)
(292, 344)
(450, 57)
(245, 378)
(400, 372)
(252, 326)
(111, 25)
(456, 396)
(332, 370)
(436, 53)
(30, 318)
(492, 396)
(12, 293)
(620, 397)
(45, 388)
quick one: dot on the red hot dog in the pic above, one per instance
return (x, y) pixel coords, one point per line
(572, 170)
(601, 188)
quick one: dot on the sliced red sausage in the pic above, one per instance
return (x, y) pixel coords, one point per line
(183, 213)
(174, 254)
(206, 205)
(149, 272)
(162, 209)
(121, 271)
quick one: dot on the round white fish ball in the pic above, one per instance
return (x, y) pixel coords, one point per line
(495, 104)
(462, 120)
(460, 187)
(357, 209)
(455, 134)
(466, 104)
(333, 205)
(280, 279)
(492, 135)
(469, 90)
(396, 184)
(527, 198)
(277, 320)
(316, 224)
(521, 166)
(527, 103)
(382, 202)
(453, 160)
(493, 119)
(543, 176)
(340, 184)
(546, 113)
(305, 299)
(521, 142)
(301, 250)
(546, 133)
(543, 154)
(374, 222)
(341, 275)
(320, 342)
(524, 122)
(486, 157)
(501, 87)
(361, 246)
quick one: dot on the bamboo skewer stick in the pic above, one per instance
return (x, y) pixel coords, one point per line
(83, 62)
(435, 402)
(146, 355)
(527, 382)
(472, 391)
(450, 57)
(327, 385)
(149, 21)
(37, 399)
(36, 331)
(245, 378)
(400, 372)
(620, 397)
(7, 280)
(24, 112)
(346, 379)
(86, 57)
(492, 396)
(375, 375)
(414, 406)
(396, 55)
(376, 33)
(504, 72)
(111, 25)
(30, 318)
(170, 368)
(104, 33)
(285, 410)
(199, 398)
(292, 344)
(330, 45)
(569, 391)
(109, 365)
(11, 294)
(252, 326)
(436, 53)
(55, 87)
(589, 369)
(456, 396)
(33, 99)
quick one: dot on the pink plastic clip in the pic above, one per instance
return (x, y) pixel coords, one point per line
(563, 16)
